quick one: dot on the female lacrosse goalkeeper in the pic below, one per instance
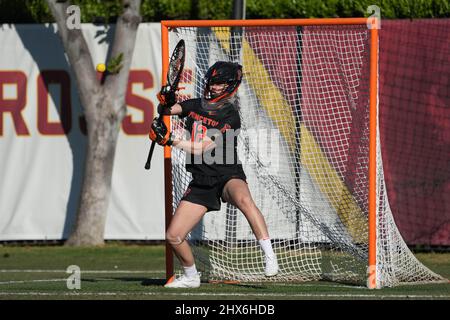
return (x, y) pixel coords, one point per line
(213, 123)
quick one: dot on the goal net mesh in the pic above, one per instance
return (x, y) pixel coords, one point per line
(304, 146)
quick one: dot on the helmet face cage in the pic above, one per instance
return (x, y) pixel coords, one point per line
(228, 73)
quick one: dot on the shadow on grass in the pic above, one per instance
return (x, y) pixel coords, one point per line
(144, 281)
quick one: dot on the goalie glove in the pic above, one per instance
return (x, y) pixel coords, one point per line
(162, 109)
(160, 134)
(167, 99)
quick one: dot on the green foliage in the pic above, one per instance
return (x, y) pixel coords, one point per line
(215, 10)
(23, 11)
(115, 64)
(39, 10)
(107, 11)
(174, 9)
(99, 11)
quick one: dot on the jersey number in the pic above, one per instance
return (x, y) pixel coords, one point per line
(198, 132)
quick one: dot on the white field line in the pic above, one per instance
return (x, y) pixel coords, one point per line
(163, 272)
(219, 294)
(278, 284)
(82, 271)
(30, 281)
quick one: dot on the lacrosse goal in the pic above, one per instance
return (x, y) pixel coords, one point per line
(310, 148)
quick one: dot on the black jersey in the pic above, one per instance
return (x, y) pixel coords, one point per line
(222, 126)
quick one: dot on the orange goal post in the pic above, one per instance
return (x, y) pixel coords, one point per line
(310, 147)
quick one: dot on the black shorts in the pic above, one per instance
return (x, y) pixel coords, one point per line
(207, 190)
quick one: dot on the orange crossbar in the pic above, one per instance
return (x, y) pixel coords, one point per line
(262, 22)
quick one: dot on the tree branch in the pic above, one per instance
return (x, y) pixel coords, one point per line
(124, 42)
(77, 52)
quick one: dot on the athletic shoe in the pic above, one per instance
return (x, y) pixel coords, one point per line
(271, 266)
(185, 282)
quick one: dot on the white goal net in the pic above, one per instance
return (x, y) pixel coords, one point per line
(304, 146)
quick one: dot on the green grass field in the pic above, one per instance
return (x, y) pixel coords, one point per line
(137, 272)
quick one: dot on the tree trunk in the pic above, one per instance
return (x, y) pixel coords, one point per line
(96, 189)
(104, 108)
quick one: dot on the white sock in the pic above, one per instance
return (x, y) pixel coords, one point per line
(191, 271)
(266, 246)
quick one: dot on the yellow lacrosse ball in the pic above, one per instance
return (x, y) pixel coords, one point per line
(101, 67)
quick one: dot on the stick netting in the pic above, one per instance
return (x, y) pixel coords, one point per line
(304, 146)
